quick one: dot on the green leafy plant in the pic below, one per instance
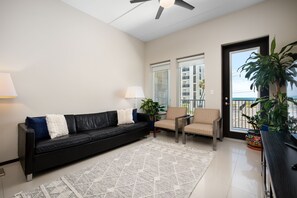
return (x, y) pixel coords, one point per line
(254, 121)
(275, 111)
(278, 69)
(151, 108)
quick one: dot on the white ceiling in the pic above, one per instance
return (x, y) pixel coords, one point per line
(138, 19)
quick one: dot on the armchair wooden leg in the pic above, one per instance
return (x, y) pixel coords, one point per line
(176, 136)
(155, 131)
(215, 134)
(214, 144)
(184, 136)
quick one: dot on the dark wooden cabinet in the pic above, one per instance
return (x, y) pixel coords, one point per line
(280, 180)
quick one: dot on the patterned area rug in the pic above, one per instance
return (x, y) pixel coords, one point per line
(153, 169)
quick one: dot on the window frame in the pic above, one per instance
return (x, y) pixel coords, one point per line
(161, 66)
(199, 57)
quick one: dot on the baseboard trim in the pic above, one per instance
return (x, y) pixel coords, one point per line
(9, 161)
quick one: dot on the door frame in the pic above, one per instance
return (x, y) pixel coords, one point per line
(263, 42)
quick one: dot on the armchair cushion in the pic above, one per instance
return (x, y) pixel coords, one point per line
(173, 112)
(206, 116)
(203, 129)
(167, 124)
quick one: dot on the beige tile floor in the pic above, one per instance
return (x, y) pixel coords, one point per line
(235, 171)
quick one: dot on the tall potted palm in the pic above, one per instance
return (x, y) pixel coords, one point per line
(277, 69)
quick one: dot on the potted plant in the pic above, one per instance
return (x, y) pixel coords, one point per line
(277, 69)
(152, 109)
(253, 136)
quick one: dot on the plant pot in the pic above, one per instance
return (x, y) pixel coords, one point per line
(254, 140)
(151, 124)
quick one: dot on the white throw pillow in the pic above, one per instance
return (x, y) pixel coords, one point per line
(125, 116)
(57, 125)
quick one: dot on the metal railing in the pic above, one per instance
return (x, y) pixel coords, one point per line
(239, 106)
(292, 110)
(242, 106)
(191, 104)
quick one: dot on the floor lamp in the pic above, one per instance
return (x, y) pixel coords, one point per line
(134, 92)
(7, 90)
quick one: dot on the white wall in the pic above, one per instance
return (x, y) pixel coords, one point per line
(61, 61)
(273, 17)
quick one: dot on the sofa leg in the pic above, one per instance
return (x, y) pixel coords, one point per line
(29, 177)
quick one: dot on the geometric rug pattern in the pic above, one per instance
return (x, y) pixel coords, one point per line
(153, 169)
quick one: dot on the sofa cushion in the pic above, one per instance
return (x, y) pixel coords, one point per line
(56, 125)
(71, 123)
(61, 142)
(40, 127)
(87, 122)
(125, 116)
(105, 133)
(112, 118)
(134, 114)
(136, 126)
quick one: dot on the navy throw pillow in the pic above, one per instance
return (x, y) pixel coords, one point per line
(40, 127)
(134, 114)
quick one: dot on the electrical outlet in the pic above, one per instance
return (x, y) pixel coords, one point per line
(2, 173)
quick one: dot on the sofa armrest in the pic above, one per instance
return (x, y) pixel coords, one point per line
(26, 146)
(142, 117)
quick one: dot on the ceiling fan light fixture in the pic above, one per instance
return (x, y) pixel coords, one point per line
(167, 3)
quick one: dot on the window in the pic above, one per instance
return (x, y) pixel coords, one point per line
(161, 83)
(191, 75)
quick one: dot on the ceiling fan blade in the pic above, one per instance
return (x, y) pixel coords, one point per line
(138, 1)
(159, 12)
(184, 4)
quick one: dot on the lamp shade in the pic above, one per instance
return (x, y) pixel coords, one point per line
(134, 92)
(6, 86)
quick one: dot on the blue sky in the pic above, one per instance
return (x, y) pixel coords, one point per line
(240, 85)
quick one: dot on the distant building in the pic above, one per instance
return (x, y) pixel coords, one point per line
(191, 76)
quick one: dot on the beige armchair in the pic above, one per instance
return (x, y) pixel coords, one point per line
(173, 120)
(204, 122)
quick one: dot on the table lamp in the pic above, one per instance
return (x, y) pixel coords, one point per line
(6, 86)
(134, 92)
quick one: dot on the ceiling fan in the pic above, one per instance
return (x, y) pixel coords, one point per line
(167, 4)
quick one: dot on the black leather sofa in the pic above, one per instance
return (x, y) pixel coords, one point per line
(89, 134)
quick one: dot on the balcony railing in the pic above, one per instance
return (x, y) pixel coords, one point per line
(292, 110)
(191, 104)
(239, 106)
